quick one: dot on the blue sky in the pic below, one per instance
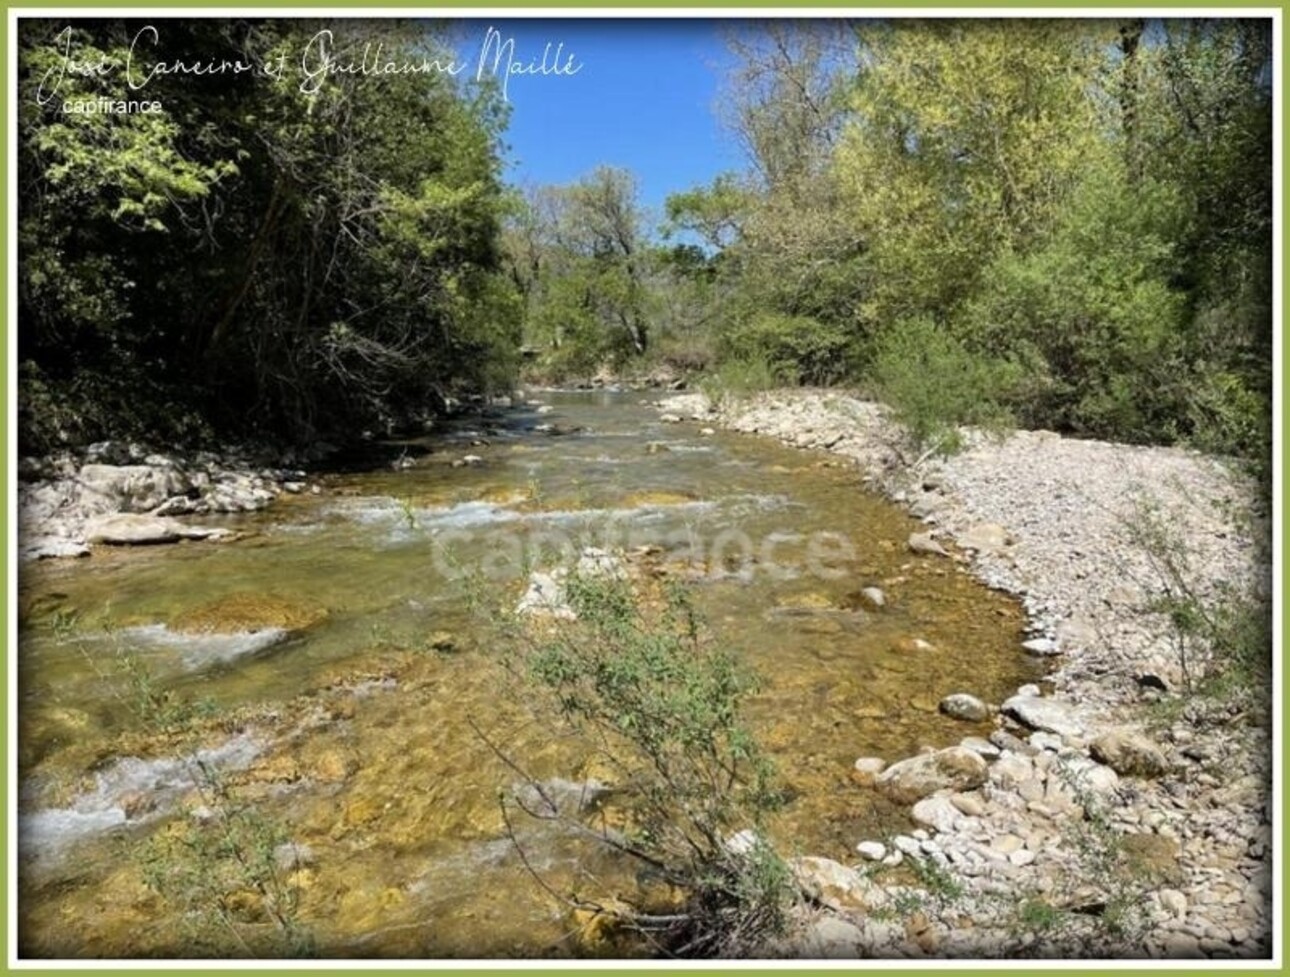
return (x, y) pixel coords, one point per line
(643, 99)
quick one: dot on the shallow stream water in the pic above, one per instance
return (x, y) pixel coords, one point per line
(343, 678)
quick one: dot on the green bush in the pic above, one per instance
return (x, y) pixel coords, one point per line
(738, 378)
(114, 400)
(934, 384)
(1229, 403)
(659, 705)
(1093, 311)
(808, 350)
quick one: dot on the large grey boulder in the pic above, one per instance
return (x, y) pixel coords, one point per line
(1045, 714)
(53, 547)
(130, 529)
(129, 488)
(1129, 752)
(913, 779)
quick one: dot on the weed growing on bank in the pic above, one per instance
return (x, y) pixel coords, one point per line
(740, 378)
(1220, 634)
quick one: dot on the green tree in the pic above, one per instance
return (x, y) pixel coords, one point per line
(581, 257)
(966, 139)
(326, 257)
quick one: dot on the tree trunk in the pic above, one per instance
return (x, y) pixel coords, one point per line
(1130, 38)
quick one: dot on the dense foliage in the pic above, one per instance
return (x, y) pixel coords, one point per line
(1063, 222)
(1068, 222)
(289, 256)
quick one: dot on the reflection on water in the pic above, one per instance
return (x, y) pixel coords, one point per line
(350, 724)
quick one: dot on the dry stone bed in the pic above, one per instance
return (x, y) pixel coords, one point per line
(1073, 811)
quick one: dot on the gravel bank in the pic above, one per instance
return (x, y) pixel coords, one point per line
(1113, 816)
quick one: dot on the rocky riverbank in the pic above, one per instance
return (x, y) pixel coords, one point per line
(121, 493)
(1112, 814)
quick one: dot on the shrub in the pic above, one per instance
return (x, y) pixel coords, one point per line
(659, 705)
(222, 876)
(1221, 634)
(686, 352)
(934, 384)
(809, 350)
(1093, 308)
(738, 378)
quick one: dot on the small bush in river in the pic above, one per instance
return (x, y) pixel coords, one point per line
(639, 682)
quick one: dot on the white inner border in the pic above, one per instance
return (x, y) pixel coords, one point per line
(720, 13)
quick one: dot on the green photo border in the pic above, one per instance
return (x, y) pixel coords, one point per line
(588, 7)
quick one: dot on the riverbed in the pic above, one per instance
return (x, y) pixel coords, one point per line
(331, 669)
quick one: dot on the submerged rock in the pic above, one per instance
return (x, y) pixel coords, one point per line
(657, 497)
(248, 612)
(199, 649)
(811, 601)
(969, 708)
(924, 544)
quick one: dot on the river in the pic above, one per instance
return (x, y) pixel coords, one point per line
(325, 669)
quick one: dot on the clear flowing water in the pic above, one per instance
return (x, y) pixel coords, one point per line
(343, 675)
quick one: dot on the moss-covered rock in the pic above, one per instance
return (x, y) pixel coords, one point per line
(248, 611)
(641, 500)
